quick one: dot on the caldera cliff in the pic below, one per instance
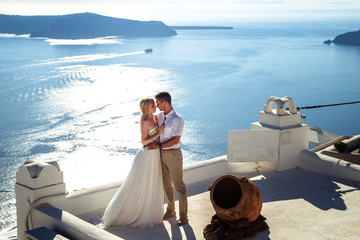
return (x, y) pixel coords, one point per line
(82, 26)
(349, 38)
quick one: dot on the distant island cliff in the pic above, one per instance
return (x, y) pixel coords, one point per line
(349, 38)
(82, 26)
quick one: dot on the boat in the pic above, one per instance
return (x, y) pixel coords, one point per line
(148, 50)
(306, 193)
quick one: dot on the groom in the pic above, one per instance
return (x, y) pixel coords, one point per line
(171, 157)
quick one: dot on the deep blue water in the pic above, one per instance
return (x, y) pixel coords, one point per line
(78, 104)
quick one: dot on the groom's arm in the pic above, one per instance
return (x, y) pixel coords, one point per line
(171, 142)
(153, 145)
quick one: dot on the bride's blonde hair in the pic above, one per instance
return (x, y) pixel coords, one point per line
(144, 106)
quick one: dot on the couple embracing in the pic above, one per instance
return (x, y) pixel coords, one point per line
(156, 167)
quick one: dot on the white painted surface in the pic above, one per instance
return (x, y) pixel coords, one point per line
(275, 141)
(36, 181)
(280, 104)
(278, 121)
(253, 145)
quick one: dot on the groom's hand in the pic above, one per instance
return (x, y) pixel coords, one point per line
(153, 145)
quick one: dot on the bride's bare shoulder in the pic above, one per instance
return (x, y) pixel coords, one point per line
(147, 124)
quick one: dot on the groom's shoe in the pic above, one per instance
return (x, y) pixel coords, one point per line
(182, 221)
(169, 214)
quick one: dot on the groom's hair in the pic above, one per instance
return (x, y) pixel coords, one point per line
(163, 96)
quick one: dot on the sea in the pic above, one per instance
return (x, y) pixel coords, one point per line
(77, 101)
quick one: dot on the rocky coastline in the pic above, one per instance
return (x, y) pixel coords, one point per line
(349, 38)
(82, 26)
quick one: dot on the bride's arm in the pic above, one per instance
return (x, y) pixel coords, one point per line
(145, 139)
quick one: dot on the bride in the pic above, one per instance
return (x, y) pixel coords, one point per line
(139, 200)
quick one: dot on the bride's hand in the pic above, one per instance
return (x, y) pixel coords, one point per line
(161, 129)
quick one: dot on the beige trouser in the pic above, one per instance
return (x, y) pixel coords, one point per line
(172, 170)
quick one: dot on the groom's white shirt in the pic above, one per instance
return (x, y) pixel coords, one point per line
(174, 125)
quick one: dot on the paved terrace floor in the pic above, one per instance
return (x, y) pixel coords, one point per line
(297, 205)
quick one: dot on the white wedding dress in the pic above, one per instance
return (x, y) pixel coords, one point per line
(139, 200)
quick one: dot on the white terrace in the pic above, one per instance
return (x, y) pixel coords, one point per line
(306, 194)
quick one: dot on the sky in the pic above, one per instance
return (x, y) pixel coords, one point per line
(180, 12)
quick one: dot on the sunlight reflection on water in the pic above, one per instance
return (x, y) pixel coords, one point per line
(94, 124)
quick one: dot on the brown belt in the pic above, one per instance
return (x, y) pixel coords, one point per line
(170, 150)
